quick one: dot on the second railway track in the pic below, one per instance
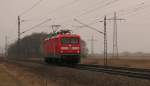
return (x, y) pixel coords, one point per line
(130, 72)
(123, 71)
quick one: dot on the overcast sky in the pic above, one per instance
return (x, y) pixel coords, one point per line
(133, 32)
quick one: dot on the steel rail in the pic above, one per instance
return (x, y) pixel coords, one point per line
(118, 67)
(123, 71)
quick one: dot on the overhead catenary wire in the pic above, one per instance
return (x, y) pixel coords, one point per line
(88, 26)
(87, 8)
(36, 26)
(60, 7)
(86, 11)
(97, 8)
(63, 6)
(127, 11)
(136, 10)
(130, 10)
(26, 11)
(70, 4)
(98, 3)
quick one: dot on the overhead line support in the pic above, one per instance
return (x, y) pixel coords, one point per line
(105, 42)
(105, 36)
(115, 53)
(18, 48)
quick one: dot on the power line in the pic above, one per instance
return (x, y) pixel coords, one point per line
(133, 10)
(115, 35)
(31, 20)
(20, 33)
(73, 2)
(36, 26)
(94, 5)
(92, 44)
(122, 10)
(104, 33)
(129, 10)
(19, 23)
(88, 26)
(91, 23)
(86, 11)
(61, 7)
(26, 11)
(136, 10)
(70, 3)
(97, 8)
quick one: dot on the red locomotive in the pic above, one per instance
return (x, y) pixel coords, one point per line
(62, 47)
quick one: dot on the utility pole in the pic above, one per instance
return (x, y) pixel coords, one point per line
(105, 42)
(6, 46)
(115, 36)
(103, 33)
(92, 44)
(19, 35)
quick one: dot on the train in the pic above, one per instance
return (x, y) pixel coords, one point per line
(62, 47)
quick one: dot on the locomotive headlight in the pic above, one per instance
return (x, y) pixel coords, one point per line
(78, 51)
(64, 48)
(75, 48)
(61, 51)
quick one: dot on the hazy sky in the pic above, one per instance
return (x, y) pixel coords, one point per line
(133, 33)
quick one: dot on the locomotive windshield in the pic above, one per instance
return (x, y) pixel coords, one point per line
(70, 40)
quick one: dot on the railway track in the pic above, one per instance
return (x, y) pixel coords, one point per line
(123, 71)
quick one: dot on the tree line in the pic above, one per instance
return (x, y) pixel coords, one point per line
(31, 46)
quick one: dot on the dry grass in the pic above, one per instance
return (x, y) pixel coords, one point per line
(138, 63)
(7, 79)
(60, 76)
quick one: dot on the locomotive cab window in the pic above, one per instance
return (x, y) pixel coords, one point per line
(65, 40)
(70, 40)
(74, 40)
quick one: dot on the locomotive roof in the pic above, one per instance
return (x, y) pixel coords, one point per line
(68, 35)
(62, 35)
